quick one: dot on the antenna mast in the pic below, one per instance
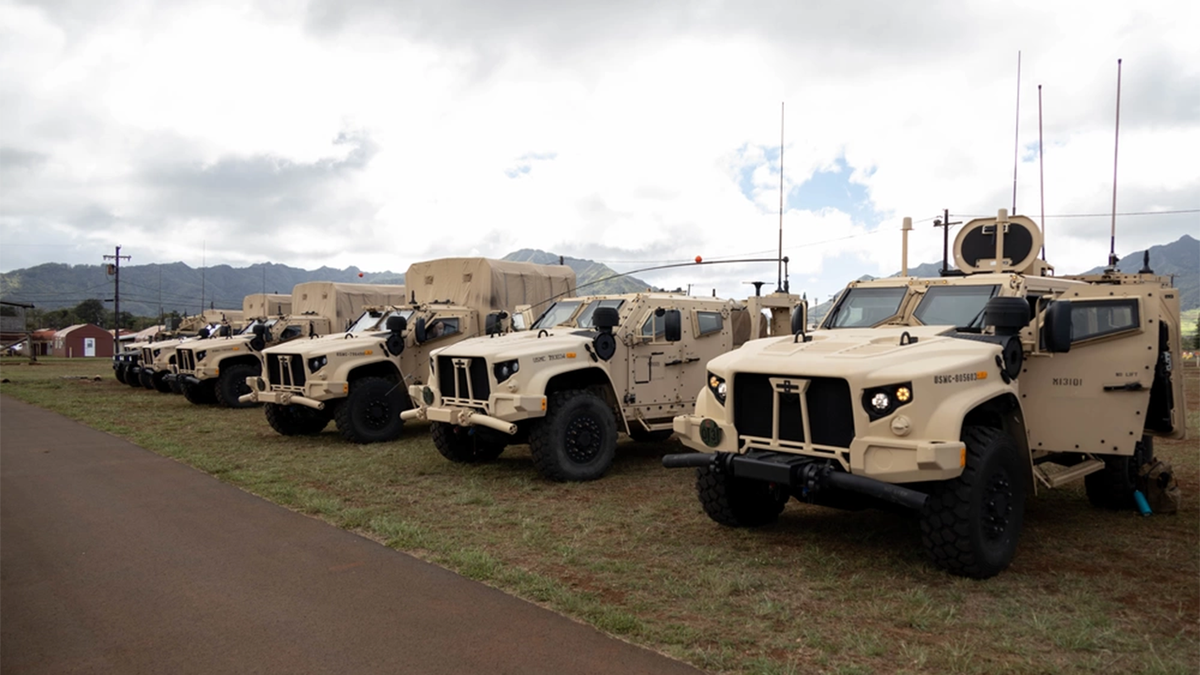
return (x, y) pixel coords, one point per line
(1112, 250)
(1041, 174)
(779, 271)
(1017, 133)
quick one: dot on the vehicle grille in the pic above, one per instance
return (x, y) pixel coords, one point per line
(285, 370)
(147, 355)
(830, 409)
(186, 359)
(468, 381)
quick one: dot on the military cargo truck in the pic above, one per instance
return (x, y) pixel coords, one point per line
(588, 368)
(216, 371)
(359, 379)
(956, 397)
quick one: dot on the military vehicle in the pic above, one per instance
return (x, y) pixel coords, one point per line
(359, 378)
(956, 397)
(216, 371)
(588, 368)
(158, 357)
(254, 305)
(127, 364)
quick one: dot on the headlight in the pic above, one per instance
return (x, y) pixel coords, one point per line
(316, 363)
(201, 354)
(718, 387)
(880, 402)
(506, 369)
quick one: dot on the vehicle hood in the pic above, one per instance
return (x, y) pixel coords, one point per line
(331, 344)
(524, 344)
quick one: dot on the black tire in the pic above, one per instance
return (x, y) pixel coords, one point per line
(296, 420)
(231, 384)
(639, 433)
(119, 372)
(176, 384)
(738, 502)
(463, 444)
(202, 393)
(1113, 486)
(146, 378)
(971, 524)
(576, 440)
(133, 376)
(371, 412)
(159, 380)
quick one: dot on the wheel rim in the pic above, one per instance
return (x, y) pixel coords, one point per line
(583, 439)
(375, 415)
(997, 506)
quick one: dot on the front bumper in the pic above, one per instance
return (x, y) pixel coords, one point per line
(500, 411)
(313, 394)
(887, 459)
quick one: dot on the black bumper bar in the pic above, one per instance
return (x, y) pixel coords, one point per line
(805, 475)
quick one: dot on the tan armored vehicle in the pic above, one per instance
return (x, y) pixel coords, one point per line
(129, 365)
(955, 396)
(158, 357)
(589, 368)
(216, 371)
(359, 378)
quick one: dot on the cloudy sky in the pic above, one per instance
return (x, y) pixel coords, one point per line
(376, 134)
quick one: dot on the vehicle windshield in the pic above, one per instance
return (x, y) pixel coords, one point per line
(376, 320)
(559, 313)
(585, 317)
(865, 307)
(959, 306)
(249, 329)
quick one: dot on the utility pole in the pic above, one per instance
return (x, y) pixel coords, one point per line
(116, 268)
(945, 223)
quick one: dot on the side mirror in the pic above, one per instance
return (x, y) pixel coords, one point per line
(672, 325)
(397, 324)
(260, 329)
(1056, 327)
(419, 330)
(492, 324)
(800, 319)
(606, 318)
(203, 332)
(226, 331)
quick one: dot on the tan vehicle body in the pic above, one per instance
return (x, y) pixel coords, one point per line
(798, 410)
(217, 371)
(487, 392)
(361, 381)
(136, 365)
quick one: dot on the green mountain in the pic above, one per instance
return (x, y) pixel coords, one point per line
(591, 278)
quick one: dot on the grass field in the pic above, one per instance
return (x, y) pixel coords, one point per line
(822, 591)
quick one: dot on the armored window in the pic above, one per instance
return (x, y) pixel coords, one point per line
(585, 317)
(558, 313)
(865, 307)
(518, 321)
(1097, 318)
(655, 327)
(441, 328)
(708, 323)
(290, 332)
(959, 306)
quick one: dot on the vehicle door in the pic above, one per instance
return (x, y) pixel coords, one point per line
(654, 375)
(1094, 397)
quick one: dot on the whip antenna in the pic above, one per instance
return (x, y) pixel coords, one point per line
(1016, 133)
(1041, 174)
(1112, 250)
(779, 271)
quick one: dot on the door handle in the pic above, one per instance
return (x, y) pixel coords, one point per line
(1128, 386)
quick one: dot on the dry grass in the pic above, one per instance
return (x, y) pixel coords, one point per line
(633, 554)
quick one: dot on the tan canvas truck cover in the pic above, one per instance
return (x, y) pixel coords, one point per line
(212, 316)
(267, 304)
(341, 302)
(486, 285)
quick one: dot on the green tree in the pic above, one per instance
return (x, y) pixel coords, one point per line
(91, 311)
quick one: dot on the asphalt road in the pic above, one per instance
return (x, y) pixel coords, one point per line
(116, 560)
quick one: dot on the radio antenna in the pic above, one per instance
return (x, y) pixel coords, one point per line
(1112, 250)
(779, 271)
(1041, 174)
(1016, 133)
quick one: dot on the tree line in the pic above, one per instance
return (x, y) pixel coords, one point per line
(89, 311)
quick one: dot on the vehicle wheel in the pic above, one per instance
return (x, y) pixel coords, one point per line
(146, 378)
(1113, 486)
(203, 393)
(971, 524)
(133, 376)
(119, 371)
(296, 420)
(232, 383)
(176, 384)
(159, 380)
(639, 434)
(576, 440)
(371, 413)
(738, 502)
(463, 444)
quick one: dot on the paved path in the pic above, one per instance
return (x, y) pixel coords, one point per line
(116, 560)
